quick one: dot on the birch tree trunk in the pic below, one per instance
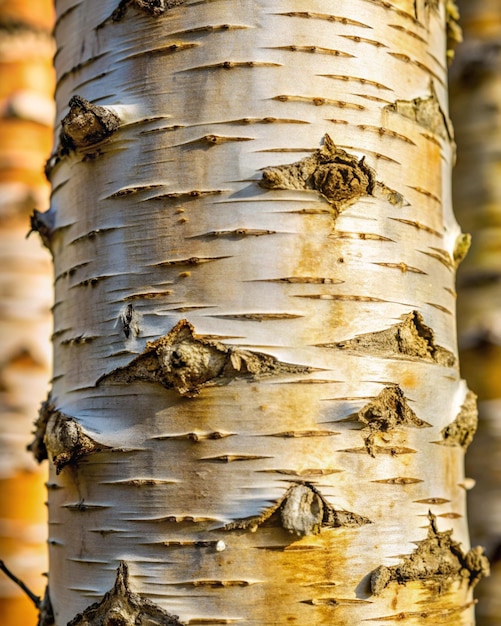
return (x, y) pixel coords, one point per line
(256, 414)
(26, 119)
(476, 101)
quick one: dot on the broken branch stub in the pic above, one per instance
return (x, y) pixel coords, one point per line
(338, 176)
(43, 224)
(182, 361)
(122, 607)
(438, 560)
(302, 511)
(388, 411)
(410, 339)
(86, 124)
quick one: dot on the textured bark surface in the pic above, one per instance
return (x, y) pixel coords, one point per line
(267, 237)
(476, 101)
(26, 119)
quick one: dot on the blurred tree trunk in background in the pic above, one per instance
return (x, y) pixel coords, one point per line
(476, 112)
(26, 120)
(256, 415)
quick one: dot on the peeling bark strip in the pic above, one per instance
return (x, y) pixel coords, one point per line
(61, 438)
(86, 124)
(302, 511)
(387, 411)
(461, 431)
(437, 559)
(340, 177)
(122, 607)
(182, 361)
(410, 338)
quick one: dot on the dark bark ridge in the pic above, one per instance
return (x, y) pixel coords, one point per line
(61, 438)
(437, 560)
(409, 339)
(302, 511)
(122, 607)
(182, 361)
(388, 411)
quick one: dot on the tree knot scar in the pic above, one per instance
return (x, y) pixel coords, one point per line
(409, 339)
(437, 561)
(122, 607)
(61, 438)
(182, 361)
(86, 124)
(43, 224)
(388, 411)
(154, 8)
(301, 511)
(129, 321)
(461, 431)
(338, 176)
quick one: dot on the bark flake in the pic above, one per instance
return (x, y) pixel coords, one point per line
(154, 8)
(409, 339)
(302, 511)
(461, 431)
(461, 247)
(182, 361)
(43, 224)
(388, 411)
(122, 607)
(86, 124)
(338, 176)
(426, 112)
(437, 560)
(61, 438)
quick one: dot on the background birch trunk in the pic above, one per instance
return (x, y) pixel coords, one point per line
(476, 102)
(26, 119)
(256, 414)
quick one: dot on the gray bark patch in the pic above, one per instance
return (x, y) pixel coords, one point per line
(437, 560)
(182, 361)
(302, 511)
(338, 176)
(410, 339)
(388, 411)
(45, 612)
(462, 430)
(122, 607)
(86, 124)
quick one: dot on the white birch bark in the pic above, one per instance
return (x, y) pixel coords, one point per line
(291, 460)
